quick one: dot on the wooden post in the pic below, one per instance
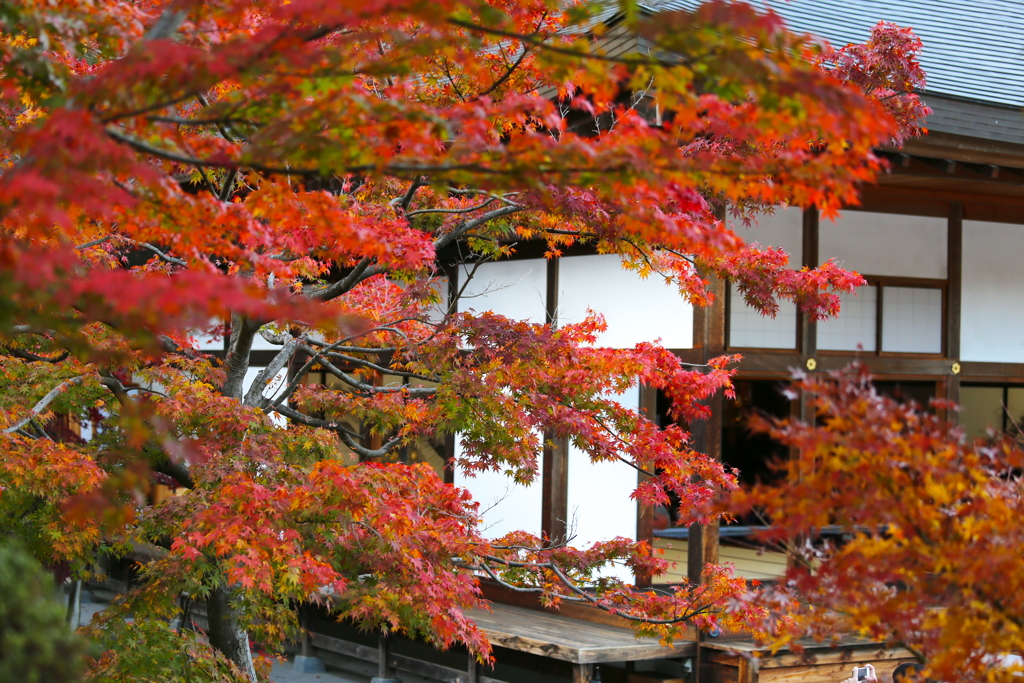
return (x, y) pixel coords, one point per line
(307, 648)
(473, 669)
(555, 469)
(582, 673)
(645, 513)
(954, 278)
(551, 287)
(709, 335)
(385, 672)
(747, 670)
(808, 341)
(307, 661)
(555, 489)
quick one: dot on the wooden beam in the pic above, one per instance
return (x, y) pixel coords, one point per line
(772, 365)
(978, 371)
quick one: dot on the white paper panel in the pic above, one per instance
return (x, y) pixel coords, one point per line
(749, 329)
(599, 504)
(992, 301)
(783, 229)
(855, 327)
(912, 320)
(886, 244)
(636, 309)
(515, 289)
(504, 505)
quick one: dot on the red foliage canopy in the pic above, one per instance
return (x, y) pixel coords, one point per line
(304, 170)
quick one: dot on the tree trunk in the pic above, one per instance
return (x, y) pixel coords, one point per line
(226, 634)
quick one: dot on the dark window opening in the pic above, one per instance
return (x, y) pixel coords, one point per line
(752, 454)
(920, 393)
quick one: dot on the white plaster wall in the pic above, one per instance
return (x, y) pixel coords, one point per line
(515, 289)
(992, 305)
(885, 244)
(261, 344)
(504, 505)
(209, 342)
(437, 311)
(276, 384)
(636, 309)
(598, 498)
(783, 229)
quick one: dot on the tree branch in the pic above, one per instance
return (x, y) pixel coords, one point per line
(254, 397)
(345, 434)
(33, 358)
(361, 272)
(43, 402)
(243, 331)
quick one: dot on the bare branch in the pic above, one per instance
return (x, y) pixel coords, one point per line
(406, 199)
(43, 402)
(34, 358)
(361, 272)
(346, 435)
(254, 397)
(166, 258)
(167, 25)
(243, 331)
(465, 227)
(94, 243)
(471, 209)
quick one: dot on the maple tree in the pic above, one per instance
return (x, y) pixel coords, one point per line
(304, 173)
(933, 557)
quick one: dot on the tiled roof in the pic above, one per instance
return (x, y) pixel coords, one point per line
(972, 50)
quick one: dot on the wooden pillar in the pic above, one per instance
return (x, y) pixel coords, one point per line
(582, 673)
(307, 648)
(385, 672)
(708, 335)
(555, 490)
(451, 271)
(954, 276)
(555, 468)
(473, 669)
(551, 300)
(808, 341)
(645, 513)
